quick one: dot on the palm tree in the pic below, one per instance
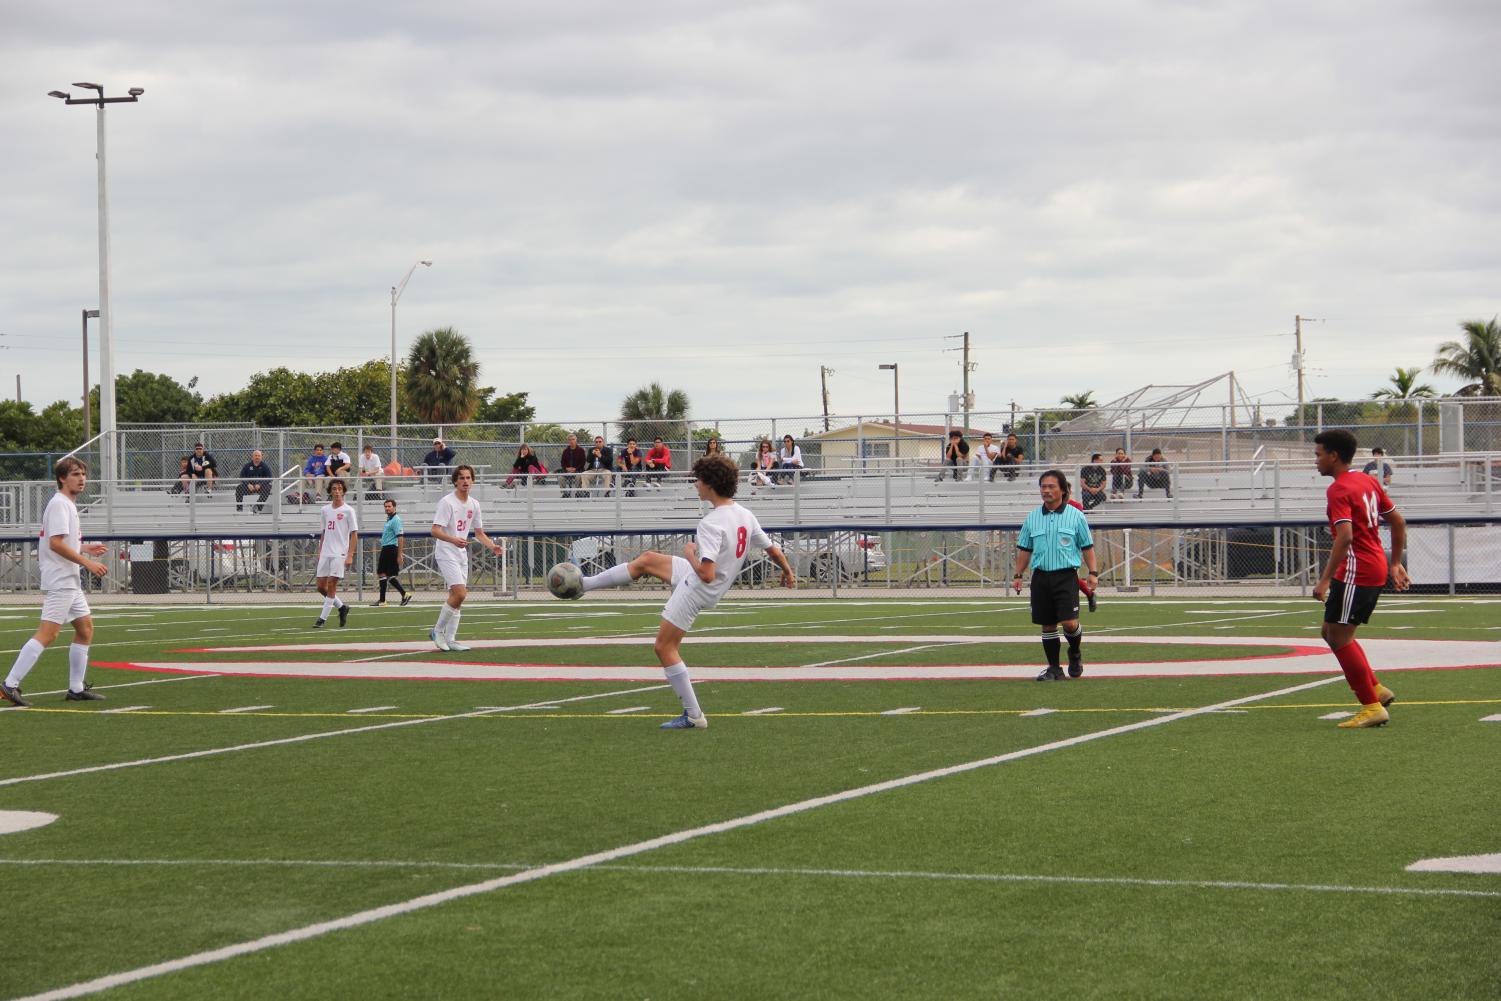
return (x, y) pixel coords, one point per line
(1079, 401)
(442, 377)
(652, 412)
(1404, 385)
(1477, 358)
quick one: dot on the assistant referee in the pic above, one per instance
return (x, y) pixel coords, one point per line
(1054, 539)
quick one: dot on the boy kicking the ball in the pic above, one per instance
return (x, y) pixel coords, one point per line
(701, 576)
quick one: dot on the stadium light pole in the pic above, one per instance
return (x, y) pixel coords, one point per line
(396, 291)
(896, 409)
(87, 417)
(109, 470)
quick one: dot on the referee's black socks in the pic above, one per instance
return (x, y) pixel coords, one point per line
(1051, 646)
(1074, 638)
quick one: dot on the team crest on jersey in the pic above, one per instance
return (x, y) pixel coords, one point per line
(340, 518)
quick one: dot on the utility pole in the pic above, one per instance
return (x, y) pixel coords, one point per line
(823, 377)
(967, 400)
(1298, 356)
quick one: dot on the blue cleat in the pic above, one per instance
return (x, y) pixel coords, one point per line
(686, 722)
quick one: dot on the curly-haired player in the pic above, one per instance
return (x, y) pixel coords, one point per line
(701, 576)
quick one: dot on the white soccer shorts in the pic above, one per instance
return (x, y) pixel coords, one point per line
(689, 596)
(65, 605)
(454, 566)
(331, 566)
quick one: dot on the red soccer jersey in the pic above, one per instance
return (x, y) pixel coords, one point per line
(1360, 500)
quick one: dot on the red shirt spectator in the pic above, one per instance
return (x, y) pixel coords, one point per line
(659, 459)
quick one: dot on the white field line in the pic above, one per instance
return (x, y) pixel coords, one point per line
(958, 877)
(371, 709)
(624, 851)
(1491, 719)
(627, 709)
(122, 709)
(244, 709)
(210, 752)
(132, 684)
(763, 712)
(883, 653)
(903, 711)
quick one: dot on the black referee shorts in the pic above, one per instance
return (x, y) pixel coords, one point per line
(1349, 605)
(386, 565)
(1055, 596)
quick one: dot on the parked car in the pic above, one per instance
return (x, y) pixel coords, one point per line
(818, 557)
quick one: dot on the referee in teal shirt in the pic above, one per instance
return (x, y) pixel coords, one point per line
(1054, 539)
(388, 566)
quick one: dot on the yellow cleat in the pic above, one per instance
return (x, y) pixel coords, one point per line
(1385, 695)
(1374, 714)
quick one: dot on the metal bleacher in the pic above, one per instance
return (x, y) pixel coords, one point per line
(1443, 488)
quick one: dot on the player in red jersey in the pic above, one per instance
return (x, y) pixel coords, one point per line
(1357, 569)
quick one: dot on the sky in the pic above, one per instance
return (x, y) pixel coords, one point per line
(727, 197)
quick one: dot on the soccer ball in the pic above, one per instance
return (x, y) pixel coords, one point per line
(566, 581)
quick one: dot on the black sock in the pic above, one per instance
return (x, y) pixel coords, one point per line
(397, 584)
(1051, 646)
(1074, 638)
(383, 589)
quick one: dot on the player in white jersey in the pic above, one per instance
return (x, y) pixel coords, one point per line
(335, 550)
(701, 576)
(457, 515)
(60, 552)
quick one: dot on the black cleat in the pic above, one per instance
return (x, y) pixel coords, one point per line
(318, 624)
(1051, 674)
(343, 615)
(87, 695)
(13, 695)
(404, 599)
(1075, 664)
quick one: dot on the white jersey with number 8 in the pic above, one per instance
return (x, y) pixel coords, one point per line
(727, 535)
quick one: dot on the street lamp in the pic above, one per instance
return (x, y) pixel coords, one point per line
(896, 408)
(87, 421)
(396, 291)
(109, 471)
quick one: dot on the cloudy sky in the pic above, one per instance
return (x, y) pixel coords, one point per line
(726, 196)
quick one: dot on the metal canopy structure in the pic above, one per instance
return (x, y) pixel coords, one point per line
(1161, 408)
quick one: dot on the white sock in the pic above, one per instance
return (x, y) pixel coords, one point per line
(453, 624)
(338, 601)
(677, 676)
(328, 606)
(25, 661)
(78, 663)
(444, 614)
(618, 575)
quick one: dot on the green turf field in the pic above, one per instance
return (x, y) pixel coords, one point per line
(1101, 838)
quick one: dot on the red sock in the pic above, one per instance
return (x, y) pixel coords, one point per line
(1358, 672)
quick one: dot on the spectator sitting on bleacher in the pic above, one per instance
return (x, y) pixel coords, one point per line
(315, 472)
(435, 463)
(339, 464)
(203, 467)
(1092, 479)
(570, 464)
(1379, 467)
(955, 454)
(184, 477)
(1012, 456)
(1155, 474)
(658, 461)
(629, 463)
(762, 465)
(986, 456)
(789, 459)
(371, 478)
(255, 478)
(526, 464)
(599, 466)
(1120, 473)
